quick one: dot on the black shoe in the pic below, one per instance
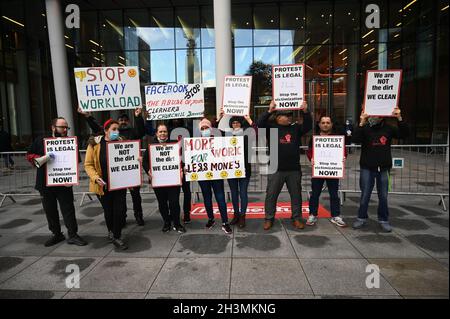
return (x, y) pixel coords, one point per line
(187, 218)
(166, 228)
(226, 228)
(76, 240)
(55, 239)
(179, 228)
(235, 219)
(110, 236)
(140, 221)
(210, 224)
(124, 224)
(120, 244)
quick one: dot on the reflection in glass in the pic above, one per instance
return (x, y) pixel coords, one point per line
(242, 60)
(188, 66)
(209, 67)
(163, 66)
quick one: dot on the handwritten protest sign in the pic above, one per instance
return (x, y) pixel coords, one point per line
(63, 169)
(165, 164)
(382, 92)
(172, 101)
(108, 88)
(214, 158)
(236, 95)
(123, 164)
(288, 85)
(328, 156)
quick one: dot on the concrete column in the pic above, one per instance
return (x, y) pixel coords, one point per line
(55, 26)
(222, 28)
(382, 49)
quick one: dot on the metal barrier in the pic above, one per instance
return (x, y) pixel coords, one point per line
(424, 172)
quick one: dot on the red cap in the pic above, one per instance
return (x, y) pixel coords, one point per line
(106, 123)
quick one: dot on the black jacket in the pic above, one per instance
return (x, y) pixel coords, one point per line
(376, 144)
(289, 140)
(130, 133)
(5, 142)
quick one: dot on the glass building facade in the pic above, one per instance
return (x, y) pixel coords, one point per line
(174, 42)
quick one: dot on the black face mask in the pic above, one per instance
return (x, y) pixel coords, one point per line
(57, 134)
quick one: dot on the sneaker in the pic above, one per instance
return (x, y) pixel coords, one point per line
(241, 222)
(359, 223)
(55, 239)
(235, 219)
(226, 228)
(312, 220)
(187, 218)
(179, 228)
(120, 244)
(110, 236)
(338, 221)
(76, 240)
(166, 228)
(210, 224)
(385, 227)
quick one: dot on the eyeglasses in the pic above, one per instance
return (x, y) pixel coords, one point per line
(63, 127)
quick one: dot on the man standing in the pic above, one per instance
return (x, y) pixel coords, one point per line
(376, 137)
(51, 196)
(288, 154)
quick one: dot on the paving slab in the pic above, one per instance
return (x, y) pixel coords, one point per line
(323, 246)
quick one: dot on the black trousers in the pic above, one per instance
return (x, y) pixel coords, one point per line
(51, 196)
(187, 197)
(169, 204)
(137, 201)
(114, 208)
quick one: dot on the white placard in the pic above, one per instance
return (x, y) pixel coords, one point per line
(212, 158)
(382, 92)
(173, 101)
(108, 88)
(124, 166)
(288, 85)
(237, 92)
(165, 164)
(328, 156)
(63, 169)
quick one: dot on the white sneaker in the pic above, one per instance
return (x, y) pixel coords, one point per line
(312, 220)
(338, 221)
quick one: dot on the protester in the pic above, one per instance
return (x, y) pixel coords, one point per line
(375, 162)
(52, 196)
(288, 155)
(5, 146)
(96, 166)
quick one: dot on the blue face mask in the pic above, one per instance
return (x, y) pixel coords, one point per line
(206, 133)
(114, 136)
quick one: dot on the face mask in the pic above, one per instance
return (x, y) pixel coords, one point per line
(206, 133)
(57, 134)
(114, 136)
(374, 121)
(162, 140)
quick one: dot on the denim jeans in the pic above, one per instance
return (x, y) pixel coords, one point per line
(238, 189)
(367, 180)
(216, 186)
(333, 187)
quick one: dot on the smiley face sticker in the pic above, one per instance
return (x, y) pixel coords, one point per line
(223, 174)
(209, 175)
(238, 173)
(194, 176)
(131, 73)
(233, 141)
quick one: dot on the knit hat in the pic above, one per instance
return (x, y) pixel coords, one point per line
(204, 122)
(106, 123)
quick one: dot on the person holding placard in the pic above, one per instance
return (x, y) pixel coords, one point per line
(128, 133)
(326, 128)
(288, 156)
(96, 166)
(168, 197)
(376, 137)
(51, 196)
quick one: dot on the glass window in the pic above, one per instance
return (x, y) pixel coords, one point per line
(209, 67)
(207, 30)
(292, 24)
(187, 32)
(266, 25)
(86, 37)
(111, 30)
(13, 24)
(163, 66)
(242, 60)
(241, 25)
(188, 66)
(318, 22)
(346, 22)
(267, 55)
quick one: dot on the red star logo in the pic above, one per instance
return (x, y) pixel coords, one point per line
(383, 140)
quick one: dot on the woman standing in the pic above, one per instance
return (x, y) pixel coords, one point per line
(96, 166)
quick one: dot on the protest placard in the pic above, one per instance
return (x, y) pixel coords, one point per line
(237, 92)
(62, 170)
(172, 101)
(288, 86)
(212, 158)
(108, 88)
(123, 164)
(165, 164)
(328, 156)
(382, 92)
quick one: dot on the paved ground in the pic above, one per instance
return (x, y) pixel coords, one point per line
(320, 262)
